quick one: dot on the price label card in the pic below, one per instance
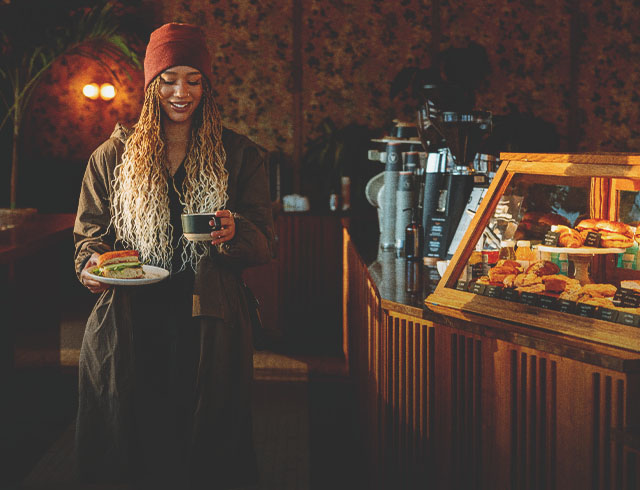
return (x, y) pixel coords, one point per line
(511, 295)
(628, 319)
(493, 291)
(627, 298)
(583, 309)
(478, 288)
(462, 286)
(566, 306)
(530, 299)
(617, 298)
(609, 315)
(592, 240)
(548, 302)
(551, 239)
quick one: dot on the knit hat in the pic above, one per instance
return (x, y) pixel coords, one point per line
(176, 44)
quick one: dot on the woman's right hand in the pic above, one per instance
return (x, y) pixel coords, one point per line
(91, 284)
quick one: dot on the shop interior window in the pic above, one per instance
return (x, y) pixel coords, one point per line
(629, 207)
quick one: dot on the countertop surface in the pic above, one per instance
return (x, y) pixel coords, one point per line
(403, 282)
(403, 285)
(38, 232)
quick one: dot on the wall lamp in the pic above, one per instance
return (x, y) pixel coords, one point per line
(92, 91)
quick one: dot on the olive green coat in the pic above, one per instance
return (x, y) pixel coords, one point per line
(220, 330)
(216, 287)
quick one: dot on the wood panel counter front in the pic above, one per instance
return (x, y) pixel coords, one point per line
(455, 400)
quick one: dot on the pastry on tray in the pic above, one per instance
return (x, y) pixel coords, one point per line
(557, 283)
(543, 268)
(533, 288)
(502, 269)
(569, 237)
(590, 291)
(526, 279)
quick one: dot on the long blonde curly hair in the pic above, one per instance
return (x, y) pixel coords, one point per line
(140, 199)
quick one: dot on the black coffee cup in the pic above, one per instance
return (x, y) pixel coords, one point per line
(196, 227)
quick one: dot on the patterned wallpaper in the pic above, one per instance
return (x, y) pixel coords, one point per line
(350, 52)
(609, 92)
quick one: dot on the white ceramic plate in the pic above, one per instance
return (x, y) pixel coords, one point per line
(151, 274)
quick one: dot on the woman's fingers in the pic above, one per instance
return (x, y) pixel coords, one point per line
(227, 230)
(91, 284)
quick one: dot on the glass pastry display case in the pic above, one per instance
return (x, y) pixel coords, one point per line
(553, 246)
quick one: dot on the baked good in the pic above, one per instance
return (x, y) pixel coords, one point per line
(630, 284)
(543, 268)
(526, 280)
(589, 292)
(120, 264)
(535, 224)
(604, 302)
(502, 269)
(569, 237)
(599, 290)
(557, 283)
(509, 263)
(613, 234)
(533, 288)
(508, 282)
(570, 295)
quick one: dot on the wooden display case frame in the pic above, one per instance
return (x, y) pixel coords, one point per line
(603, 170)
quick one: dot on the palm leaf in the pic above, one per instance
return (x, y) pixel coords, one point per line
(92, 33)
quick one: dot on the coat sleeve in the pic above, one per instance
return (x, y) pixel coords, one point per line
(253, 243)
(91, 229)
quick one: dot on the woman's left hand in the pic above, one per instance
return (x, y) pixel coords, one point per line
(228, 230)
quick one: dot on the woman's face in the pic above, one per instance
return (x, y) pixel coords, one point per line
(180, 93)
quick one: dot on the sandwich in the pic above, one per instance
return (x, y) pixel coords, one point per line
(121, 264)
(613, 234)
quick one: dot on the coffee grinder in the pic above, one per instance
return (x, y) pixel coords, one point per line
(451, 140)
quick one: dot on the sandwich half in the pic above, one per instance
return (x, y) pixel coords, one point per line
(121, 264)
(612, 233)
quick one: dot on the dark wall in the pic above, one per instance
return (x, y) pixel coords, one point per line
(281, 67)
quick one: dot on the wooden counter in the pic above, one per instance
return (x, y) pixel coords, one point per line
(452, 400)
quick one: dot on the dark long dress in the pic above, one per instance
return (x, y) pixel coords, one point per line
(190, 418)
(165, 378)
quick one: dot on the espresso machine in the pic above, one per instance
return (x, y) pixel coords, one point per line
(452, 141)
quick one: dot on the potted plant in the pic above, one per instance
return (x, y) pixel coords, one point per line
(30, 44)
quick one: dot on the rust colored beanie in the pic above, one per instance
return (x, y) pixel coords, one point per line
(176, 44)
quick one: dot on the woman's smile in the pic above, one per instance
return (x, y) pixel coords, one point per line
(180, 106)
(180, 93)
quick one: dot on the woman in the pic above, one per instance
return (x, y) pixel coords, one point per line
(166, 369)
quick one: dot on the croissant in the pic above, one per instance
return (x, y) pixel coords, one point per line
(569, 237)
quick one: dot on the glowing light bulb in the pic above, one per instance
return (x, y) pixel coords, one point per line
(91, 91)
(107, 91)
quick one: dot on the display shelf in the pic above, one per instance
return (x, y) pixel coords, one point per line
(581, 258)
(578, 187)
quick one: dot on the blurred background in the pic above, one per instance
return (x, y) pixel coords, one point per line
(564, 74)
